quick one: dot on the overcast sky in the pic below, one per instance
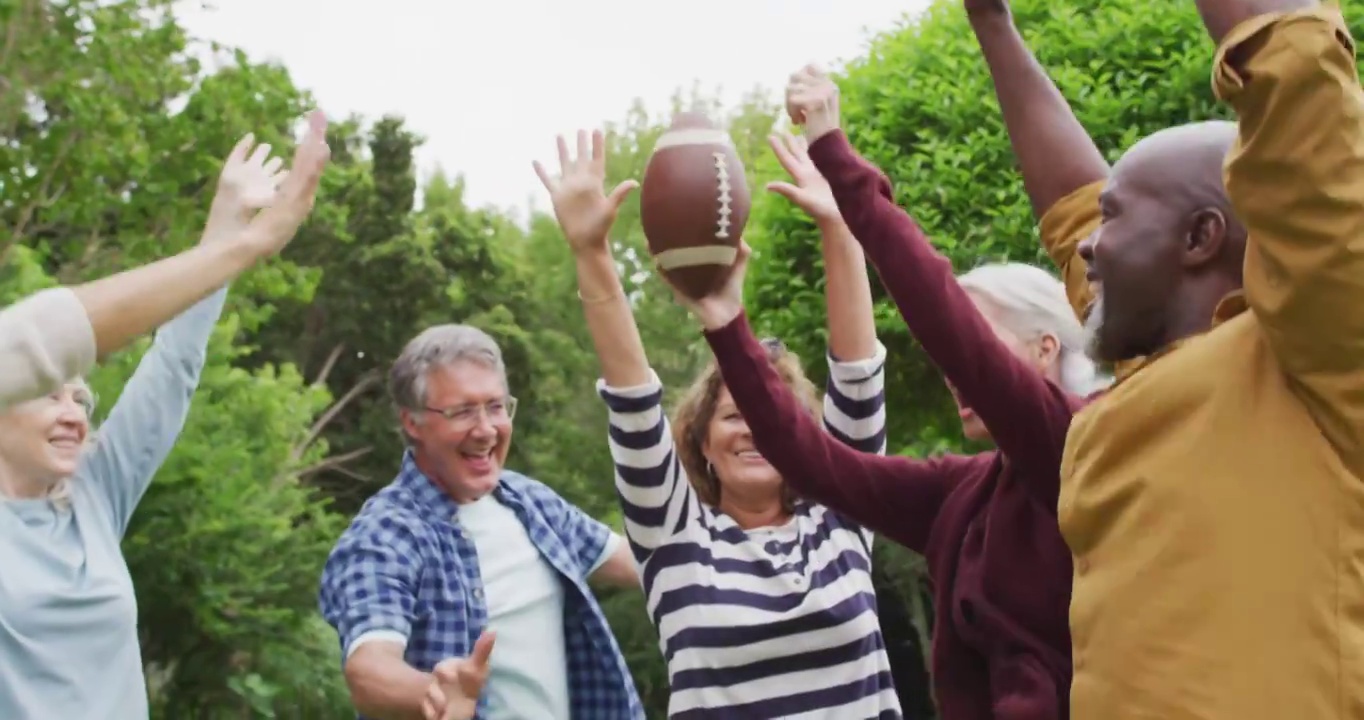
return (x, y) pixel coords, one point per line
(489, 83)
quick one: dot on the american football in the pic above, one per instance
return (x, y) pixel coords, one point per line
(694, 203)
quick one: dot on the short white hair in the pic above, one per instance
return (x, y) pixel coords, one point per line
(1032, 304)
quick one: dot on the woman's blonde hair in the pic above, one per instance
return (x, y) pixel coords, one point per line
(696, 409)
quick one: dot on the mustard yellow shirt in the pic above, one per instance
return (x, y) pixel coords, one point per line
(1213, 498)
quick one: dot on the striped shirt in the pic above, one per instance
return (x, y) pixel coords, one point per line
(773, 622)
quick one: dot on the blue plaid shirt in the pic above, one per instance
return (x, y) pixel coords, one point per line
(405, 566)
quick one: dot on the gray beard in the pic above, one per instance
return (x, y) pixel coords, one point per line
(1093, 323)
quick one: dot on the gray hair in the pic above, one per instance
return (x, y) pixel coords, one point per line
(436, 347)
(1032, 303)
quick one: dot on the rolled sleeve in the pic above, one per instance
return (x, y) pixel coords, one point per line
(1063, 227)
(1296, 179)
(855, 401)
(369, 584)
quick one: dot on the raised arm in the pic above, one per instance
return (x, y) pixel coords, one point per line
(144, 424)
(854, 397)
(1027, 416)
(653, 490)
(56, 335)
(1063, 170)
(1296, 179)
(894, 496)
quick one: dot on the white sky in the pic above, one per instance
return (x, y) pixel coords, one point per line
(490, 83)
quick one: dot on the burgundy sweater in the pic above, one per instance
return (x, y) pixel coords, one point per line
(985, 523)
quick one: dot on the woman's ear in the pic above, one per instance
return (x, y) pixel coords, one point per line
(1048, 350)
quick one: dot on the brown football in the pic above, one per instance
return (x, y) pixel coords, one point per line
(694, 204)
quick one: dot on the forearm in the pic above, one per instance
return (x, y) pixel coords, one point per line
(611, 322)
(847, 293)
(1220, 16)
(133, 303)
(384, 687)
(1055, 154)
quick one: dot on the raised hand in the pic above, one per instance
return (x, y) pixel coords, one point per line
(812, 101)
(986, 7)
(809, 190)
(584, 211)
(717, 309)
(453, 694)
(285, 210)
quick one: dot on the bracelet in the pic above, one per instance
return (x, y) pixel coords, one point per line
(598, 300)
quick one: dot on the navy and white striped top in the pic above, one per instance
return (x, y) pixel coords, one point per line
(769, 623)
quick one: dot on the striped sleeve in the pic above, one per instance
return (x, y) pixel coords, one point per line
(855, 402)
(655, 497)
(855, 406)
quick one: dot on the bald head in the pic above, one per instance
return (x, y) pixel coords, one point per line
(1170, 246)
(1182, 165)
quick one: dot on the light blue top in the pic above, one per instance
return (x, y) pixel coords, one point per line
(68, 617)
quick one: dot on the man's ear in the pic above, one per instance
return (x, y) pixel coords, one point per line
(1205, 238)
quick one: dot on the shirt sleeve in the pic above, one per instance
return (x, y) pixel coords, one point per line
(1296, 179)
(1027, 415)
(369, 584)
(587, 538)
(147, 419)
(1064, 226)
(855, 402)
(655, 495)
(45, 340)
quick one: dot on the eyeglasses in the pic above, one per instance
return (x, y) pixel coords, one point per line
(775, 347)
(467, 416)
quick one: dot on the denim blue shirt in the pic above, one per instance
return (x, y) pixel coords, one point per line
(405, 566)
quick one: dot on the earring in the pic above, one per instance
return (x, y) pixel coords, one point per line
(710, 470)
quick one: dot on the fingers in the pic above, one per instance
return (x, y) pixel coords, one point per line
(242, 147)
(272, 165)
(433, 705)
(745, 252)
(545, 178)
(261, 154)
(278, 179)
(584, 149)
(783, 153)
(599, 152)
(787, 191)
(564, 160)
(621, 192)
(483, 647)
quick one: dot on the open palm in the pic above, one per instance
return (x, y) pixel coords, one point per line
(584, 210)
(808, 189)
(251, 177)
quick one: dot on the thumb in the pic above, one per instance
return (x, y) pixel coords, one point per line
(483, 647)
(741, 259)
(622, 191)
(788, 191)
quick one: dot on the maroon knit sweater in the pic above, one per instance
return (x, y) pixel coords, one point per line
(985, 523)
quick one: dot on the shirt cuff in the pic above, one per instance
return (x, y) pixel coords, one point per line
(857, 370)
(389, 636)
(637, 391)
(613, 542)
(1229, 81)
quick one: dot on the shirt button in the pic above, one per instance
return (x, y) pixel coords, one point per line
(478, 593)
